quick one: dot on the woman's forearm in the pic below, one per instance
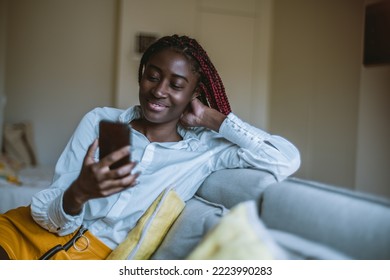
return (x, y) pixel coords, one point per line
(72, 200)
(212, 119)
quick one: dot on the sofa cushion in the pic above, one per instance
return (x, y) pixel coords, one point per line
(232, 186)
(298, 248)
(197, 218)
(19, 143)
(240, 235)
(142, 241)
(356, 224)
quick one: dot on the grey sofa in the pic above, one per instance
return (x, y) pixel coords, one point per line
(308, 220)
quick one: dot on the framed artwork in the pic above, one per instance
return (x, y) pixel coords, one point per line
(377, 34)
(143, 41)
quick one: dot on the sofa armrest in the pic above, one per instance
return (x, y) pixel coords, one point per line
(353, 223)
(232, 186)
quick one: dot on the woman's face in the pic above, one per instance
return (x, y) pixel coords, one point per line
(167, 87)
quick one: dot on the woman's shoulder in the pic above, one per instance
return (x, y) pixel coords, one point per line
(91, 120)
(109, 113)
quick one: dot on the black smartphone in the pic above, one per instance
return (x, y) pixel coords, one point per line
(113, 136)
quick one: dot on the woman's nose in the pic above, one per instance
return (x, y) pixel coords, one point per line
(159, 90)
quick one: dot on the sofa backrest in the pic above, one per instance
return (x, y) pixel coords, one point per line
(232, 186)
(355, 224)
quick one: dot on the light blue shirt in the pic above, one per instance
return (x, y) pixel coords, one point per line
(182, 165)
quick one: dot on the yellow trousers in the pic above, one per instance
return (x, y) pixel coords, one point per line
(23, 239)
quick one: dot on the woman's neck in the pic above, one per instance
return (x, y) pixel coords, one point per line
(157, 132)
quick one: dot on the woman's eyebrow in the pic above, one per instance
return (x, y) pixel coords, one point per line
(175, 75)
(179, 76)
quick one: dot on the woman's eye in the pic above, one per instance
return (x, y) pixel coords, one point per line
(177, 87)
(153, 78)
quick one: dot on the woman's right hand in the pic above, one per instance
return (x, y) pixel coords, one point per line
(97, 180)
(198, 114)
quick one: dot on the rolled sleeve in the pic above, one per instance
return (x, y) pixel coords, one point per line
(244, 135)
(52, 216)
(258, 149)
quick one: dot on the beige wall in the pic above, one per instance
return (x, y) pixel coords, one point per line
(59, 65)
(373, 152)
(315, 84)
(324, 100)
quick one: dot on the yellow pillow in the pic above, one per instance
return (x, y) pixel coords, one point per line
(240, 235)
(147, 235)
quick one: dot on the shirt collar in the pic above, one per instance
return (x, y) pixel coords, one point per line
(190, 135)
(130, 114)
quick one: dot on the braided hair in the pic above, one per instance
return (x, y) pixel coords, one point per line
(211, 89)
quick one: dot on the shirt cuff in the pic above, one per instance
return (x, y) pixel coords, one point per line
(63, 223)
(241, 133)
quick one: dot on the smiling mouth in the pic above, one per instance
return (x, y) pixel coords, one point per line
(157, 103)
(156, 106)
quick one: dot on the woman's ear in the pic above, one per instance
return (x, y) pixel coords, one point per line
(195, 94)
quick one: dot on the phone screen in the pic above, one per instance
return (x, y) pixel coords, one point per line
(113, 136)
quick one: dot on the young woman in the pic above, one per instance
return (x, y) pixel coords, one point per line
(182, 131)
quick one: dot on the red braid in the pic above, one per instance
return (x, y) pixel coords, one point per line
(212, 90)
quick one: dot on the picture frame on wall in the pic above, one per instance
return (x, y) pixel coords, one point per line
(144, 40)
(377, 34)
